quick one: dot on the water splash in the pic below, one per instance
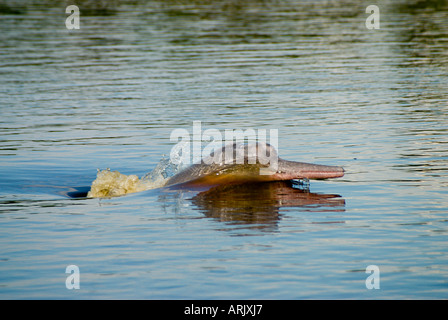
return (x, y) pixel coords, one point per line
(113, 183)
(165, 169)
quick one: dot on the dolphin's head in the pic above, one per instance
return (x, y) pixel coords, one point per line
(243, 153)
(265, 156)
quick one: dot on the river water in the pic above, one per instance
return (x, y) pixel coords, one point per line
(108, 95)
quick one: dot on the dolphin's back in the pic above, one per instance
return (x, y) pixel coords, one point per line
(193, 172)
(234, 161)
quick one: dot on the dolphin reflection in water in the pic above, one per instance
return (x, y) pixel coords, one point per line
(262, 205)
(248, 184)
(245, 188)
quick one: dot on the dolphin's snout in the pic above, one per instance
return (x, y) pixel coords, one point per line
(301, 170)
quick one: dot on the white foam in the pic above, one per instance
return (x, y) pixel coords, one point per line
(113, 183)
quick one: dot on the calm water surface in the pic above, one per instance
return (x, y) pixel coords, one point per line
(109, 94)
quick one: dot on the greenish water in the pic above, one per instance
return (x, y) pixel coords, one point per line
(109, 94)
